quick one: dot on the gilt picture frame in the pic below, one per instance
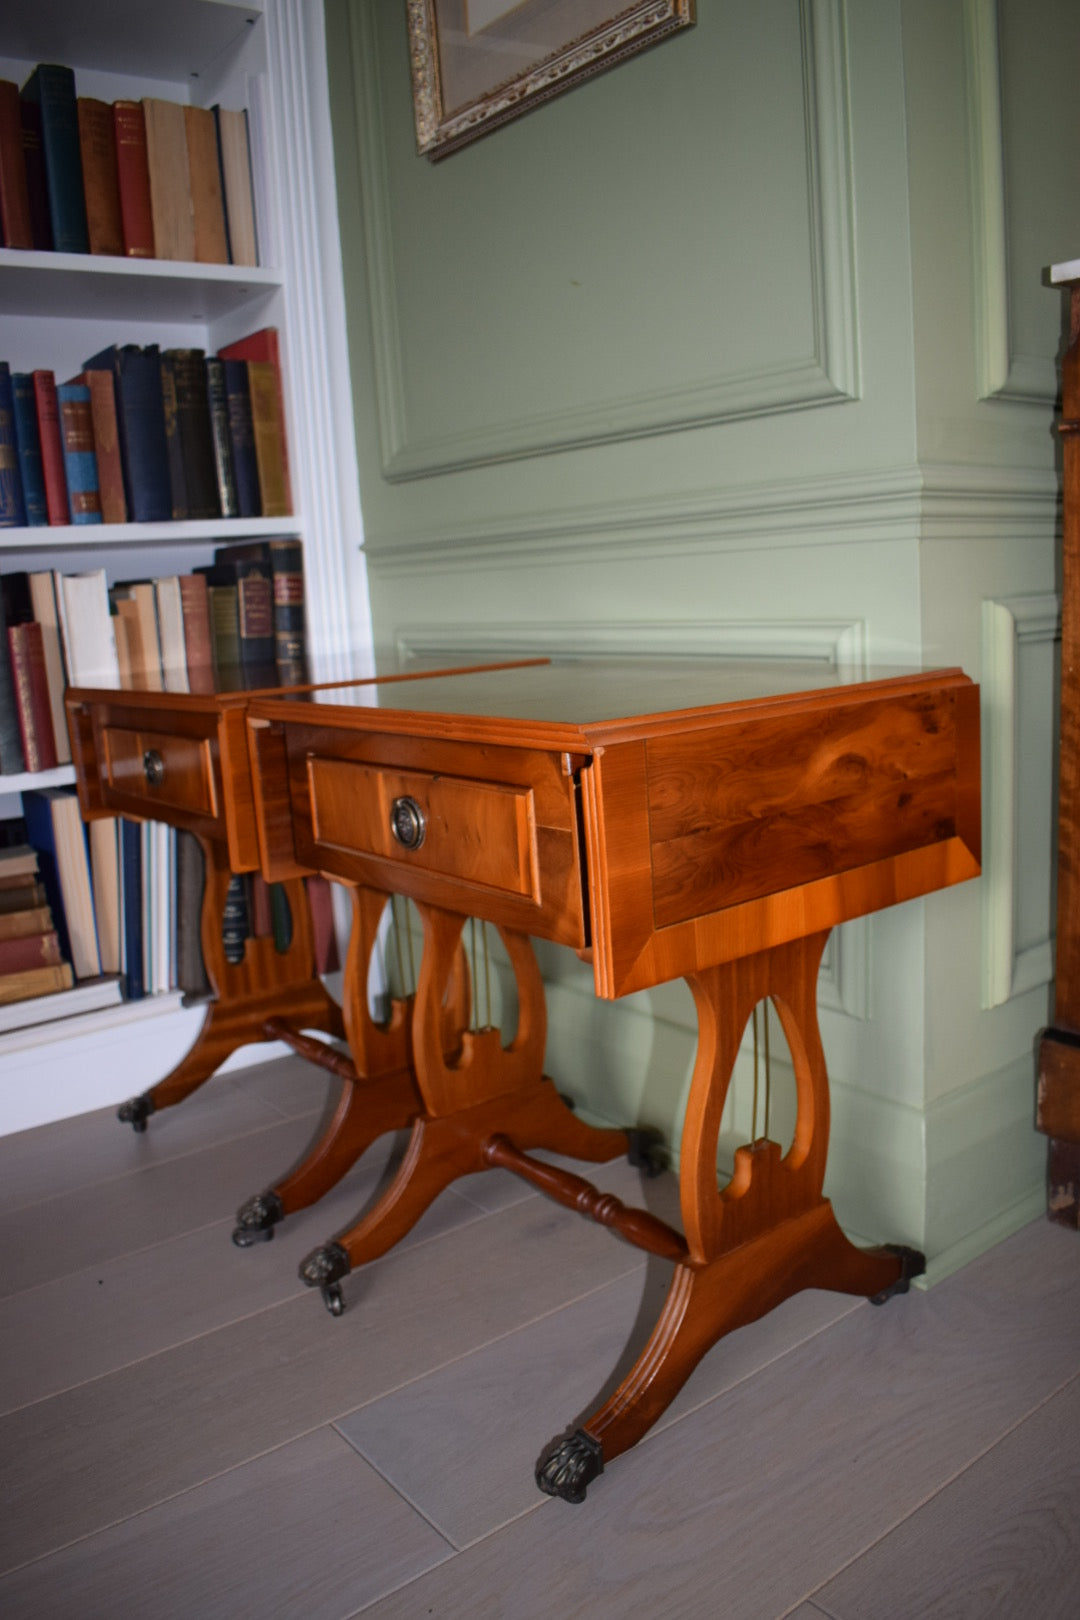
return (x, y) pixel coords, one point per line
(477, 64)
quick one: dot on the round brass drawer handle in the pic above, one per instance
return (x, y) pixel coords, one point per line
(153, 767)
(408, 822)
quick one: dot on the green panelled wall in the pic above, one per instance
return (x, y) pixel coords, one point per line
(744, 346)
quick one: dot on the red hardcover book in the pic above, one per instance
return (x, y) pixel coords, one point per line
(29, 951)
(102, 386)
(52, 448)
(264, 345)
(133, 177)
(198, 643)
(15, 227)
(101, 185)
(31, 682)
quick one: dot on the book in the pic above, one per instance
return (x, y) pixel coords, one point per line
(225, 626)
(191, 976)
(207, 198)
(28, 443)
(198, 638)
(12, 758)
(90, 995)
(12, 505)
(29, 951)
(133, 179)
(51, 89)
(32, 982)
(15, 228)
(86, 632)
(189, 440)
(80, 458)
(236, 919)
(242, 437)
(43, 599)
(218, 406)
(269, 438)
(101, 181)
(31, 686)
(285, 560)
(234, 149)
(140, 418)
(27, 919)
(170, 179)
(110, 467)
(55, 829)
(28, 895)
(105, 883)
(254, 605)
(52, 447)
(131, 910)
(264, 345)
(37, 186)
(170, 620)
(133, 604)
(17, 863)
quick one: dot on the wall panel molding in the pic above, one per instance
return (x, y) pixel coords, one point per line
(1000, 372)
(829, 372)
(1011, 756)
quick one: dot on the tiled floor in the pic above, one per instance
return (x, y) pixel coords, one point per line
(186, 1432)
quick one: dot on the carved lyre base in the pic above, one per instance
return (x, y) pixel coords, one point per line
(766, 1236)
(267, 983)
(473, 1090)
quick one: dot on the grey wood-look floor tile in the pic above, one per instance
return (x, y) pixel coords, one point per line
(308, 1530)
(462, 1444)
(96, 1453)
(73, 1154)
(71, 1230)
(289, 1084)
(139, 1304)
(1002, 1540)
(765, 1492)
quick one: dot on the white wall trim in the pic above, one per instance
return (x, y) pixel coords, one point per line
(1007, 970)
(1000, 372)
(828, 373)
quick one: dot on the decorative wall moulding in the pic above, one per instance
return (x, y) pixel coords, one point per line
(460, 52)
(1000, 373)
(1018, 825)
(825, 371)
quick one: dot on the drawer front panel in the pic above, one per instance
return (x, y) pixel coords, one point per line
(476, 832)
(160, 770)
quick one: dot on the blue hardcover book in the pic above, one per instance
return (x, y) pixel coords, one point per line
(28, 442)
(140, 419)
(80, 457)
(51, 89)
(131, 936)
(12, 505)
(242, 438)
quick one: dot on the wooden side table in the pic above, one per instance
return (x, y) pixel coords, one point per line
(705, 820)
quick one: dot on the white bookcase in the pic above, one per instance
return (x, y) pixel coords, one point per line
(58, 308)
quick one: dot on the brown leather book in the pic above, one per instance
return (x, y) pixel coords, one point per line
(35, 982)
(31, 918)
(29, 951)
(15, 227)
(198, 644)
(207, 200)
(106, 444)
(31, 682)
(133, 178)
(170, 179)
(52, 449)
(269, 438)
(101, 182)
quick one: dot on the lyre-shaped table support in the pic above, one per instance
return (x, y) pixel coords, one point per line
(769, 1233)
(266, 983)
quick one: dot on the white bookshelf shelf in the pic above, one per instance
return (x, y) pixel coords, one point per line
(90, 286)
(94, 537)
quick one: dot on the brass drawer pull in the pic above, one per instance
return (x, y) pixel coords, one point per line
(408, 822)
(153, 767)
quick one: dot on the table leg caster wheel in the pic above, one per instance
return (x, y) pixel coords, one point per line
(323, 1269)
(646, 1151)
(256, 1219)
(912, 1264)
(136, 1112)
(570, 1466)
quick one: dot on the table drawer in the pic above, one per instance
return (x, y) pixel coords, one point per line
(159, 769)
(476, 832)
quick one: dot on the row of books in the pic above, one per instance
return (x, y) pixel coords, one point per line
(239, 620)
(92, 914)
(142, 179)
(147, 435)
